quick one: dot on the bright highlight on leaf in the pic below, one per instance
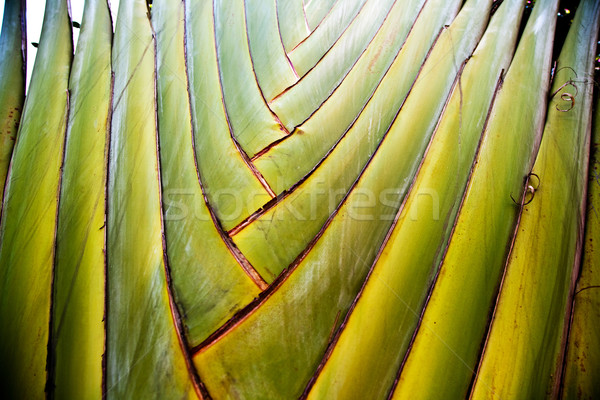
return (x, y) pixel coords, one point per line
(282, 199)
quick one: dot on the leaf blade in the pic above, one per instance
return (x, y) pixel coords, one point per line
(78, 330)
(29, 211)
(12, 81)
(398, 284)
(199, 260)
(464, 290)
(530, 322)
(144, 355)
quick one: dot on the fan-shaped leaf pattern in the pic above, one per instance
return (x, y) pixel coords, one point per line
(299, 199)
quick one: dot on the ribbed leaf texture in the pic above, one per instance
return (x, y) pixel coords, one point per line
(281, 199)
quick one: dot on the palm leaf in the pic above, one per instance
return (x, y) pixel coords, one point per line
(299, 199)
(28, 226)
(150, 334)
(80, 268)
(582, 358)
(469, 275)
(191, 234)
(12, 80)
(542, 255)
(400, 277)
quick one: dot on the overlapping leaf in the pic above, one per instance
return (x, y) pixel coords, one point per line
(583, 358)
(78, 310)
(399, 282)
(28, 225)
(451, 333)
(12, 80)
(543, 256)
(298, 198)
(201, 262)
(145, 356)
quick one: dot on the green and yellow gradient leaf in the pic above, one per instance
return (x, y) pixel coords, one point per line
(525, 345)
(273, 69)
(582, 363)
(146, 354)
(308, 53)
(29, 210)
(252, 123)
(278, 199)
(200, 261)
(293, 25)
(232, 189)
(334, 273)
(316, 10)
(277, 236)
(12, 80)
(297, 103)
(396, 289)
(284, 164)
(453, 327)
(77, 336)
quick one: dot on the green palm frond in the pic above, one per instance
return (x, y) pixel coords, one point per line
(279, 199)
